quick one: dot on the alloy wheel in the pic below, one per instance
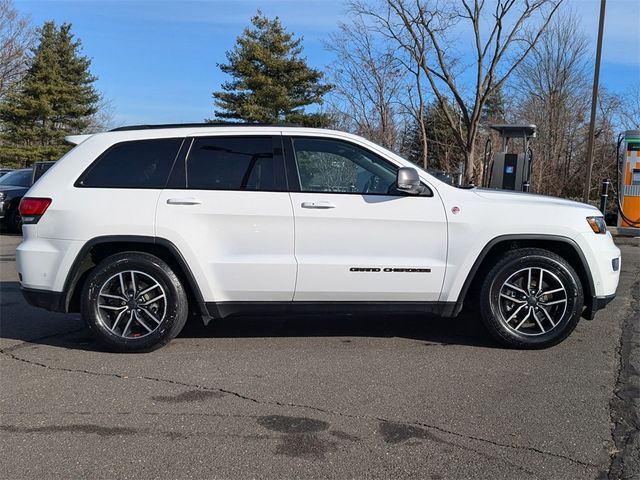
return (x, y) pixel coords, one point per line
(132, 304)
(532, 301)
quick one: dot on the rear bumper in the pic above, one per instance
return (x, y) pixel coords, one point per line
(596, 303)
(47, 299)
(44, 263)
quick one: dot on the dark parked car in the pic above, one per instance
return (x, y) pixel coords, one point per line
(39, 169)
(13, 186)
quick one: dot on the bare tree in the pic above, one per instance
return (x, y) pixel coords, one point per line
(368, 81)
(607, 128)
(425, 30)
(630, 114)
(553, 88)
(16, 36)
(418, 109)
(103, 119)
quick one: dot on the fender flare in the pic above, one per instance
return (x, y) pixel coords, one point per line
(77, 269)
(519, 237)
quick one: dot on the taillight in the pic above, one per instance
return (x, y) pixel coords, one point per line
(31, 209)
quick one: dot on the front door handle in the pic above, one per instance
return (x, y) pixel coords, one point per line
(319, 205)
(184, 201)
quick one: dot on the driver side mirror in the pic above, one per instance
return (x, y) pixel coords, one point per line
(408, 181)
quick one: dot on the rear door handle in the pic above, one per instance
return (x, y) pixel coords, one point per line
(319, 205)
(184, 201)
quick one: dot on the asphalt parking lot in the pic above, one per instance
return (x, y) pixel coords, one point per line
(319, 397)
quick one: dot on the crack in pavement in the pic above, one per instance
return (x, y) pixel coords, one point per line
(624, 417)
(8, 353)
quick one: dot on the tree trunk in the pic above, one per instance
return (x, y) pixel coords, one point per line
(423, 138)
(470, 155)
(469, 164)
(421, 122)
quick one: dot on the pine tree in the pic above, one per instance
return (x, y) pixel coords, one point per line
(443, 150)
(494, 108)
(271, 80)
(55, 98)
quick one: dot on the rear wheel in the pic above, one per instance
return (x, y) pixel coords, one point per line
(134, 302)
(532, 298)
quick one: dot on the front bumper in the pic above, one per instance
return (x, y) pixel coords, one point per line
(603, 261)
(595, 304)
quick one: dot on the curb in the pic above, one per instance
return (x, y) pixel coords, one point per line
(625, 236)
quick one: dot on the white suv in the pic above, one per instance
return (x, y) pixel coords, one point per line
(138, 226)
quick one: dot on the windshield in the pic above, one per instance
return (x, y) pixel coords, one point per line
(19, 178)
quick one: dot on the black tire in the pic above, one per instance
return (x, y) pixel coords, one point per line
(14, 220)
(173, 310)
(549, 327)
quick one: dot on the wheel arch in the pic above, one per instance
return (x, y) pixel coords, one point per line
(99, 248)
(565, 247)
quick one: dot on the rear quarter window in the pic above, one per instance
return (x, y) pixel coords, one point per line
(134, 164)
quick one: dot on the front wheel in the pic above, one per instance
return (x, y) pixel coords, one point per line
(134, 302)
(532, 298)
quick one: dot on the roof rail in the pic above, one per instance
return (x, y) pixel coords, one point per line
(207, 124)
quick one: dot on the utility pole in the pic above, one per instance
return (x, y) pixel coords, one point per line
(594, 102)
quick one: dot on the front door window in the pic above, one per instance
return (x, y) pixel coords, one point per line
(333, 166)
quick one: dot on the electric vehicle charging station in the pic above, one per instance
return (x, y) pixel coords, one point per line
(511, 171)
(629, 184)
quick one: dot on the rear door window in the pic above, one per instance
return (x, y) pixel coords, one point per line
(135, 164)
(236, 163)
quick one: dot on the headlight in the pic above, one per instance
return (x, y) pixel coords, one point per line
(597, 224)
(2, 195)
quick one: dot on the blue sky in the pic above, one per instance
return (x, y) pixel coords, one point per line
(156, 59)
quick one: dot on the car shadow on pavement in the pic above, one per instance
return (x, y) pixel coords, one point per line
(464, 330)
(23, 323)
